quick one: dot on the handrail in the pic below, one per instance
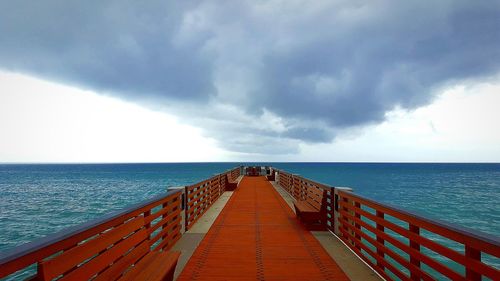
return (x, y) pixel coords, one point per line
(32, 252)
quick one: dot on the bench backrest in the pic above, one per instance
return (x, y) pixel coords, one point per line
(314, 196)
(105, 256)
(229, 179)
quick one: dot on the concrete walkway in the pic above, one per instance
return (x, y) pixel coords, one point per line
(257, 237)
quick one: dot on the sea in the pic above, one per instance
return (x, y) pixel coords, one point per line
(39, 199)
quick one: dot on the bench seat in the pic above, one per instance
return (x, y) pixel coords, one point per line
(156, 266)
(304, 207)
(306, 211)
(311, 211)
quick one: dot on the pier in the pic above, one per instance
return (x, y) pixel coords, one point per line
(257, 237)
(258, 223)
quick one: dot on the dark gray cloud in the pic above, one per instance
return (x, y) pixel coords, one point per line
(124, 47)
(258, 72)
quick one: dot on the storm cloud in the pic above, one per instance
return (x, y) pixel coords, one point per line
(258, 76)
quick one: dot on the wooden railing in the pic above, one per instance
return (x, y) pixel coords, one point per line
(234, 173)
(398, 244)
(200, 196)
(162, 221)
(285, 181)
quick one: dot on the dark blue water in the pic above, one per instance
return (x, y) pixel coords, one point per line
(36, 200)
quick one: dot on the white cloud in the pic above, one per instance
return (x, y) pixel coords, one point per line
(47, 122)
(462, 125)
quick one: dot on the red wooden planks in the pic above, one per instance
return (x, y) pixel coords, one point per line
(257, 237)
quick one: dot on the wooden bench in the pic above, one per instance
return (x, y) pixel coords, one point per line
(231, 185)
(271, 175)
(128, 258)
(312, 210)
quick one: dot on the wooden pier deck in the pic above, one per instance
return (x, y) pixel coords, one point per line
(257, 237)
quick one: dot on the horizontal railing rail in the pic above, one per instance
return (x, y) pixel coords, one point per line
(199, 197)
(162, 221)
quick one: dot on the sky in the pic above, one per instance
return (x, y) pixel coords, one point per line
(189, 81)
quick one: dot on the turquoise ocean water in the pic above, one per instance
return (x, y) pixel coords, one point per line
(37, 200)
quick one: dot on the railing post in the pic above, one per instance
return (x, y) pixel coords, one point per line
(414, 245)
(217, 188)
(330, 209)
(220, 184)
(336, 204)
(183, 205)
(186, 208)
(472, 253)
(346, 221)
(183, 188)
(357, 225)
(380, 228)
(148, 225)
(296, 189)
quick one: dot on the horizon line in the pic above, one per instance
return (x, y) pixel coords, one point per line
(241, 162)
